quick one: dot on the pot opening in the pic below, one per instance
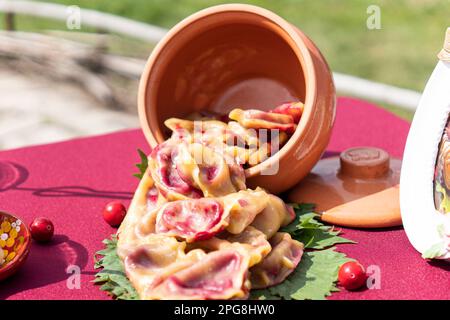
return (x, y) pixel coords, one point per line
(222, 61)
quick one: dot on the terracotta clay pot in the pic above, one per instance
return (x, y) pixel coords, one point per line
(243, 56)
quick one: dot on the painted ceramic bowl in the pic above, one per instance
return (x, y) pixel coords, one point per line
(243, 56)
(15, 242)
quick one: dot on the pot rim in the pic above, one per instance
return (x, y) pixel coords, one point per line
(298, 47)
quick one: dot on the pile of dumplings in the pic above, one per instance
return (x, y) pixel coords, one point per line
(194, 230)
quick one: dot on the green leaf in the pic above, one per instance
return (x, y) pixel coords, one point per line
(112, 276)
(313, 279)
(142, 166)
(435, 251)
(320, 239)
(316, 274)
(301, 210)
(311, 232)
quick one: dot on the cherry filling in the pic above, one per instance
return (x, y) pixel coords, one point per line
(210, 172)
(220, 275)
(243, 202)
(142, 258)
(192, 220)
(180, 133)
(169, 175)
(257, 119)
(294, 109)
(152, 196)
(291, 214)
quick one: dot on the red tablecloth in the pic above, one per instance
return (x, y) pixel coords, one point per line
(70, 182)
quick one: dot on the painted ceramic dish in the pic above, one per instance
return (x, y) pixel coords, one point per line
(442, 174)
(425, 179)
(15, 244)
(242, 56)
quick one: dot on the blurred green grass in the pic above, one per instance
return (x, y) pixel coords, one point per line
(402, 53)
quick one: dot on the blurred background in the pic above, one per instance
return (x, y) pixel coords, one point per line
(60, 80)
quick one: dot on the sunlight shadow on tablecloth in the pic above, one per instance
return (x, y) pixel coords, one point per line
(47, 264)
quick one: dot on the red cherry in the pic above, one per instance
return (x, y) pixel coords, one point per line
(114, 213)
(42, 229)
(352, 275)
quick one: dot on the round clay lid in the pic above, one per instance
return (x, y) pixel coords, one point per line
(364, 162)
(356, 173)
